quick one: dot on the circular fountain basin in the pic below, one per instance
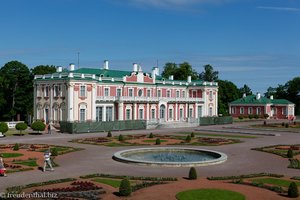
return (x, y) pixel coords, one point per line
(170, 157)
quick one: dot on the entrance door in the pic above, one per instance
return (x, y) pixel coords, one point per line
(181, 114)
(199, 111)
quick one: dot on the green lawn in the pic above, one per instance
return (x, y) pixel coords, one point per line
(209, 194)
(153, 141)
(11, 155)
(274, 181)
(30, 163)
(112, 182)
(12, 132)
(221, 135)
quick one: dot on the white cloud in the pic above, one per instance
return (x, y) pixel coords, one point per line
(173, 3)
(279, 8)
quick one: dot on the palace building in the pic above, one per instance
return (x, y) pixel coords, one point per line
(258, 105)
(104, 94)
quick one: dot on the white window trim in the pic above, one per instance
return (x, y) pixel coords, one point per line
(108, 91)
(159, 91)
(132, 89)
(148, 90)
(117, 91)
(250, 109)
(242, 108)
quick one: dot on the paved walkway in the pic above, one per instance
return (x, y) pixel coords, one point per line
(98, 159)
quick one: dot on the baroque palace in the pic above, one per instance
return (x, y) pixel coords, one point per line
(104, 94)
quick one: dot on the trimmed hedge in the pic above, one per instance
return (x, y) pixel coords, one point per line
(193, 173)
(125, 188)
(38, 126)
(293, 190)
(146, 178)
(3, 127)
(21, 126)
(244, 176)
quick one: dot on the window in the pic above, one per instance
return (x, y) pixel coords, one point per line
(194, 94)
(170, 113)
(158, 93)
(46, 91)
(168, 93)
(232, 110)
(258, 111)
(140, 93)
(153, 113)
(148, 93)
(183, 94)
(109, 114)
(56, 90)
(191, 112)
(106, 92)
(284, 111)
(130, 92)
(128, 114)
(82, 91)
(119, 92)
(99, 111)
(82, 114)
(199, 111)
(177, 94)
(250, 110)
(210, 95)
(242, 110)
(210, 111)
(141, 113)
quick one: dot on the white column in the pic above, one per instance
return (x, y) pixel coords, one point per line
(51, 102)
(70, 103)
(186, 110)
(35, 114)
(134, 111)
(120, 111)
(176, 112)
(196, 110)
(104, 113)
(147, 112)
(93, 110)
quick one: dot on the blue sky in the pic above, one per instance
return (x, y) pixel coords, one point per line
(253, 42)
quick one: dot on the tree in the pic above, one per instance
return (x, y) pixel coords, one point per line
(18, 90)
(209, 74)
(228, 92)
(3, 127)
(179, 71)
(43, 69)
(38, 126)
(246, 90)
(290, 153)
(21, 126)
(125, 188)
(157, 141)
(293, 190)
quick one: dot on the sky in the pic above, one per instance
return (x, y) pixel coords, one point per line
(253, 42)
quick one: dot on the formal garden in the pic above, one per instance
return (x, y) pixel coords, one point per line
(156, 139)
(23, 157)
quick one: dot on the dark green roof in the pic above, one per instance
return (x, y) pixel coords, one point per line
(104, 72)
(251, 99)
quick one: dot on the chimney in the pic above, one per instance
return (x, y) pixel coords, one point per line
(153, 74)
(271, 97)
(72, 66)
(258, 96)
(140, 68)
(171, 77)
(189, 79)
(105, 64)
(244, 95)
(59, 69)
(156, 71)
(135, 67)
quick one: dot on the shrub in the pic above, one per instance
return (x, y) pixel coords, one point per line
(290, 153)
(282, 124)
(151, 135)
(192, 134)
(157, 141)
(109, 134)
(38, 126)
(241, 117)
(3, 127)
(250, 116)
(256, 116)
(21, 126)
(125, 188)
(192, 173)
(16, 147)
(54, 152)
(293, 190)
(266, 116)
(286, 125)
(188, 138)
(121, 138)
